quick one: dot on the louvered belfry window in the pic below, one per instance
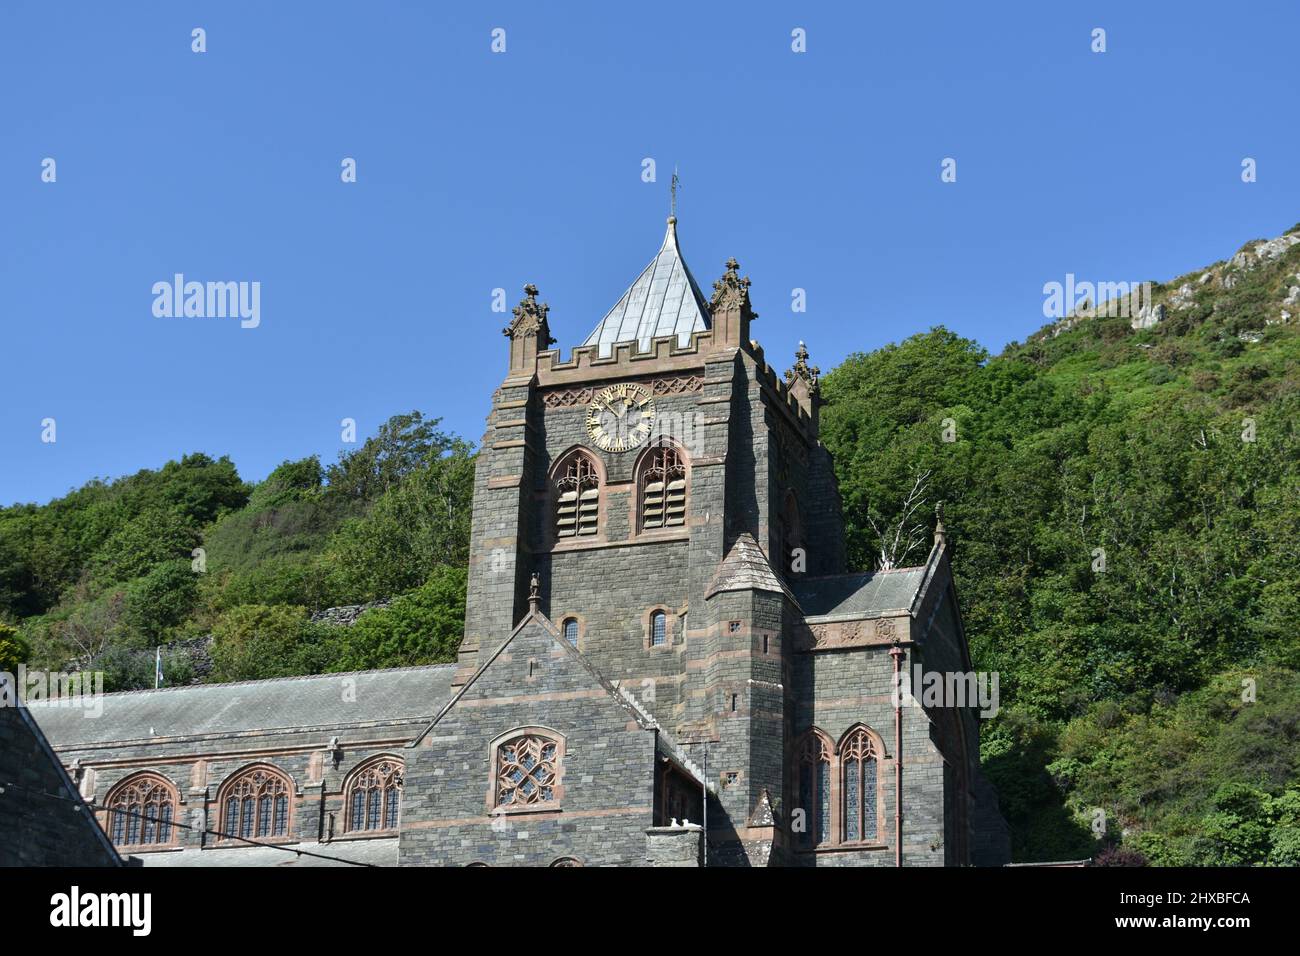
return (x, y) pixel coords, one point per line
(663, 490)
(578, 508)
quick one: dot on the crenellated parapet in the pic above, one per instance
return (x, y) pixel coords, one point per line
(586, 364)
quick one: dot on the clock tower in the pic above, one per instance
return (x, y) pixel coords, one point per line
(660, 499)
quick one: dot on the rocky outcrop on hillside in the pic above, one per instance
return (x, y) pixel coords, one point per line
(346, 615)
(1203, 294)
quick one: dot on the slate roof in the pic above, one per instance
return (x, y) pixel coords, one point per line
(744, 568)
(866, 594)
(375, 852)
(664, 300)
(289, 703)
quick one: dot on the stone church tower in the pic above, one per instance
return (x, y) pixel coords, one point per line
(665, 659)
(656, 508)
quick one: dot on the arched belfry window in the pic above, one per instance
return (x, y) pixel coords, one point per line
(374, 795)
(526, 771)
(859, 786)
(814, 767)
(255, 804)
(662, 485)
(577, 497)
(141, 810)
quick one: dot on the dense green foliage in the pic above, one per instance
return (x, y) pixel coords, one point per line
(1126, 507)
(103, 575)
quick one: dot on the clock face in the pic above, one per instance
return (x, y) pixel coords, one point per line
(621, 417)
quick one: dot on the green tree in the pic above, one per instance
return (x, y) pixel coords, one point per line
(160, 600)
(423, 627)
(258, 641)
(13, 649)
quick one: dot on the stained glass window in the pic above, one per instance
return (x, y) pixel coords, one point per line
(526, 771)
(858, 766)
(141, 809)
(358, 820)
(257, 805)
(375, 795)
(815, 788)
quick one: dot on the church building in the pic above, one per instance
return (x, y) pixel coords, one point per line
(665, 662)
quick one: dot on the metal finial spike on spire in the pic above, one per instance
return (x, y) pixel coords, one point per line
(672, 203)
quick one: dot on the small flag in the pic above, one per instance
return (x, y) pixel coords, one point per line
(157, 669)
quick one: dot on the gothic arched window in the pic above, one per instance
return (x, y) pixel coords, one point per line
(662, 486)
(373, 795)
(526, 771)
(858, 770)
(814, 767)
(577, 497)
(571, 630)
(141, 809)
(255, 804)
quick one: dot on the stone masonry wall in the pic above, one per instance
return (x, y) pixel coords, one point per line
(605, 790)
(43, 821)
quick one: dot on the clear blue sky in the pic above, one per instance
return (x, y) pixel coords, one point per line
(478, 170)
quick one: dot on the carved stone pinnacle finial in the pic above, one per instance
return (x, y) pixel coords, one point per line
(732, 291)
(802, 370)
(530, 318)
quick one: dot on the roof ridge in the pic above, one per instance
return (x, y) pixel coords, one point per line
(266, 680)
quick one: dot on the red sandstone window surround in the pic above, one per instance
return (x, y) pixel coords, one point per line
(527, 771)
(859, 788)
(141, 809)
(658, 625)
(373, 795)
(662, 484)
(839, 788)
(256, 804)
(576, 483)
(813, 769)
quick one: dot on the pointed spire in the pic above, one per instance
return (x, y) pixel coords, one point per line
(663, 301)
(940, 532)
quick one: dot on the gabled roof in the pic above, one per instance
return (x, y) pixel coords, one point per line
(664, 300)
(868, 594)
(287, 703)
(535, 620)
